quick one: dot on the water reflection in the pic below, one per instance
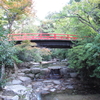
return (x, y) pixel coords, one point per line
(71, 97)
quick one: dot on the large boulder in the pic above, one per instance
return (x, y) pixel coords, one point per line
(56, 82)
(26, 71)
(9, 97)
(12, 90)
(35, 70)
(30, 75)
(25, 80)
(44, 73)
(14, 82)
(63, 71)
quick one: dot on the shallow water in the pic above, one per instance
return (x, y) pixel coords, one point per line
(71, 97)
(66, 96)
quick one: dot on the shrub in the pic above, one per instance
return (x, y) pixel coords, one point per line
(85, 57)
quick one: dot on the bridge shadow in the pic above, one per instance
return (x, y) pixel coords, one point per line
(53, 43)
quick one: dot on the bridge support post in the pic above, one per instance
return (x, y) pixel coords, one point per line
(54, 36)
(40, 36)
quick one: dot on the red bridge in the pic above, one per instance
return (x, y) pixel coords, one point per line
(51, 40)
(41, 36)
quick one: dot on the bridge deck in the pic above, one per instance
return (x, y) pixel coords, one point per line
(41, 36)
(49, 40)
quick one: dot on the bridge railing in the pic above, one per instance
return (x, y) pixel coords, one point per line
(41, 36)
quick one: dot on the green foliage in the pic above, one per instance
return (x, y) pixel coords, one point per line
(15, 59)
(26, 52)
(14, 10)
(46, 27)
(85, 57)
(46, 57)
(23, 54)
(59, 53)
(6, 52)
(78, 17)
(81, 17)
(3, 81)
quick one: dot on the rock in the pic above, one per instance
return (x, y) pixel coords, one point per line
(9, 83)
(37, 85)
(35, 70)
(44, 92)
(15, 98)
(47, 81)
(30, 75)
(24, 64)
(26, 80)
(66, 76)
(64, 60)
(7, 92)
(16, 82)
(72, 81)
(39, 80)
(45, 71)
(52, 90)
(45, 89)
(63, 88)
(63, 71)
(69, 87)
(10, 98)
(21, 74)
(29, 86)
(57, 86)
(37, 76)
(57, 82)
(74, 74)
(54, 63)
(34, 63)
(25, 71)
(16, 89)
(54, 67)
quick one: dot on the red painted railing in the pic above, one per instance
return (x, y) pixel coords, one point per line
(41, 36)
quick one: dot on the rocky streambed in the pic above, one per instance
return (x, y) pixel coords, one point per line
(34, 83)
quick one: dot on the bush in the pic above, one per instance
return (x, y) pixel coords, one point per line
(85, 57)
(26, 53)
(59, 53)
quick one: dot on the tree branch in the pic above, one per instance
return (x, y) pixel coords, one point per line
(86, 22)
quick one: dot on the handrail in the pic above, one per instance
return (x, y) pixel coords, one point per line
(41, 36)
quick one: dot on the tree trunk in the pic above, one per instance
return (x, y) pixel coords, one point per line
(16, 69)
(2, 72)
(2, 76)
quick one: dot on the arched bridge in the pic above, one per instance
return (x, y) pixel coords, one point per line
(49, 40)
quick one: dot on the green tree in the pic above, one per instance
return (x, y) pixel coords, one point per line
(14, 9)
(28, 51)
(78, 17)
(82, 18)
(9, 12)
(46, 27)
(85, 56)
(59, 53)
(86, 13)
(25, 25)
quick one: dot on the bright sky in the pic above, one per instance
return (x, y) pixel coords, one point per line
(44, 6)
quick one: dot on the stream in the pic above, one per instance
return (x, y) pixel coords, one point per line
(50, 82)
(71, 97)
(65, 95)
